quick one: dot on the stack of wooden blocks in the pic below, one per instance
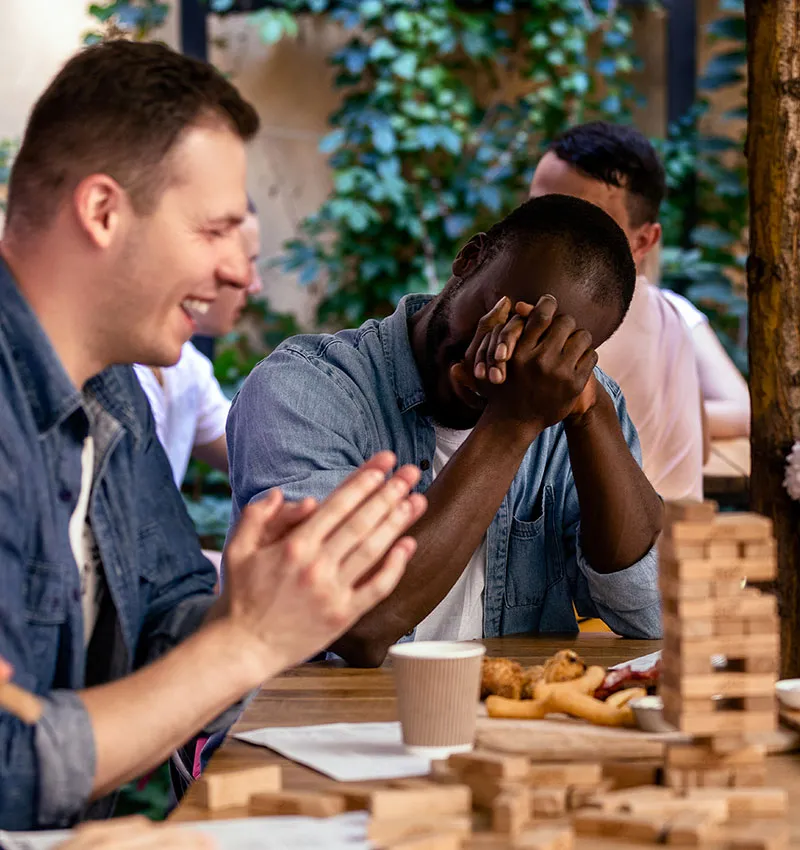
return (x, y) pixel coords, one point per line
(721, 643)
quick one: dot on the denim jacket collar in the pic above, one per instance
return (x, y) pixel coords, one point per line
(396, 342)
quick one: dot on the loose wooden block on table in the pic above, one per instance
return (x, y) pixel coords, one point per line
(757, 836)
(570, 774)
(621, 827)
(393, 803)
(694, 755)
(691, 830)
(432, 841)
(511, 811)
(749, 802)
(305, 803)
(236, 787)
(546, 838)
(497, 765)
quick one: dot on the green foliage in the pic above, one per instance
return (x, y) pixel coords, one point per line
(705, 215)
(126, 18)
(429, 146)
(8, 149)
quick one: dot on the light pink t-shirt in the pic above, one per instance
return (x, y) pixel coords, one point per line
(652, 358)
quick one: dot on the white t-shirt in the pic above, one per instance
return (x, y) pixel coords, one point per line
(652, 358)
(82, 543)
(190, 408)
(689, 313)
(459, 616)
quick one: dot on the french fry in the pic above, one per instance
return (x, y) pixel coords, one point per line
(621, 698)
(521, 709)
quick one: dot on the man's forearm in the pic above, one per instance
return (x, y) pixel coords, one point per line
(139, 720)
(621, 513)
(462, 502)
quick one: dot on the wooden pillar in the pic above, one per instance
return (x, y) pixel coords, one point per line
(773, 275)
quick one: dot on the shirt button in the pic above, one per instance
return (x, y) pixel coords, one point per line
(425, 465)
(65, 495)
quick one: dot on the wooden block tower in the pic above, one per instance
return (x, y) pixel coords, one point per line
(721, 643)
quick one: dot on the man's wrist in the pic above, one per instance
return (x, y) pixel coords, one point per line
(509, 432)
(241, 654)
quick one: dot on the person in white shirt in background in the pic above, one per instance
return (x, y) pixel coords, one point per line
(189, 408)
(651, 355)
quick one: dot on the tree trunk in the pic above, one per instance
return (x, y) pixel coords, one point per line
(773, 275)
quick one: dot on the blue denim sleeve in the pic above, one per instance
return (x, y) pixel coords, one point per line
(295, 425)
(628, 601)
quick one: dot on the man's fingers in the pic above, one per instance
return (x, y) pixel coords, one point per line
(585, 366)
(366, 526)
(537, 323)
(288, 517)
(373, 548)
(253, 525)
(560, 330)
(498, 315)
(508, 338)
(577, 345)
(383, 580)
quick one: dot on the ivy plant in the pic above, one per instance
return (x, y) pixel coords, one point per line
(429, 145)
(135, 19)
(705, 215)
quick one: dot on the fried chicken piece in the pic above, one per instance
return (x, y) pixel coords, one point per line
(531, 676)
(564, 666)
(501, 677)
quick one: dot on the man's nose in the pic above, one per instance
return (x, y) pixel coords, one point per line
(234, 269)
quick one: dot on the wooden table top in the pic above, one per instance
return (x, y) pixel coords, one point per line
(330, 693)
(728, 467)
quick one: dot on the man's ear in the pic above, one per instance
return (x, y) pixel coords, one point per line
(645, 239)
(98, 200)
(470, 256)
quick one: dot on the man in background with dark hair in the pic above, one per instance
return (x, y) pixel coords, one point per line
(124, 213)
(651, 356)
(536, 499)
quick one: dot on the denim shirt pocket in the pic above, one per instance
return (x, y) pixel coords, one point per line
(46, 611)
(535, 562)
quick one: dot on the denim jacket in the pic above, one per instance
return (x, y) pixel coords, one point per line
(157, 584)
(320, 405)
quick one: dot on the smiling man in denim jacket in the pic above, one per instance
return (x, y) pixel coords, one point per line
(123, 220)
(537, 502)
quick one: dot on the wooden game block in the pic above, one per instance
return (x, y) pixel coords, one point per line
(690, 590)
(701, 569)
(621, 827)
(722, 549)
(671, 550)
(691, 829)
(725, 588)
(676, 705)
(430, 841)
(760, 569)
(632, 799)
(725, 744)
(745, 646)
(747, 603)
(749, 802)
(689, 532)
(722, 684)
(728, 628)
(757, 836)
(682, 627)
(761, 664)
(579, 796)
(307, 803)
(572, 774)
(680, 779)
(485, 789)
(744, 527)
(713, 778)
(688, 510)
(548, 802)
(721, 722)
(511, 811)
(687, 663)
(749, 776)
(627, 774)
(236, 787)
(546, 838)
(386, 832)
(767, 548)
(701, 756)
(763, 703)
(399, 802)
(761, 625)
(497, 765)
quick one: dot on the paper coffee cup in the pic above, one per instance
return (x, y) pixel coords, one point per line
(438, 688)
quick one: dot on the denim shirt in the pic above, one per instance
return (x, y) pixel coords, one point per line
(320, 405)
(157, 585)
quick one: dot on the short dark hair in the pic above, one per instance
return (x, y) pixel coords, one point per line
(117, 108)
(619, 156)
(590, 247)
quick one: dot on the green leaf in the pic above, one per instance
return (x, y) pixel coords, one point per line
(370, 9)
(102, 13)
(405, 66)
(729, 28)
